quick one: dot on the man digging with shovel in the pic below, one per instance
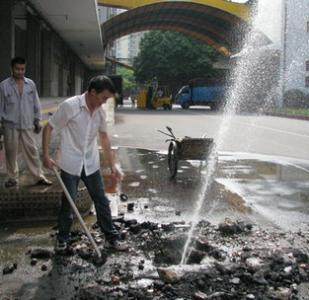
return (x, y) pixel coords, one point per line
(80, 119)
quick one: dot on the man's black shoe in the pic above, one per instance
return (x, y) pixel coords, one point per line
(44, 182)
(10, 183)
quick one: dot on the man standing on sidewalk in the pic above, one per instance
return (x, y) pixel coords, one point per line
(79, 120)
(20, 114)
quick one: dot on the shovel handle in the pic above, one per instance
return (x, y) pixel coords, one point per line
(79, 217)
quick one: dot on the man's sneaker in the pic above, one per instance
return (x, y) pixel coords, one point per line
(116, 245)
(61, 246)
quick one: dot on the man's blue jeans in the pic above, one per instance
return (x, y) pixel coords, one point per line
(94, 185)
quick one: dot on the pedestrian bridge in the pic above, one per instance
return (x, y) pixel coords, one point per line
(218, 23)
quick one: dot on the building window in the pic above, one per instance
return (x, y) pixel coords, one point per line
(307, 65)
(307, 82)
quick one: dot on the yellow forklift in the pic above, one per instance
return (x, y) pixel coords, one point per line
(154, 97)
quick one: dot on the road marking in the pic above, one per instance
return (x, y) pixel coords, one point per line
(272, 129)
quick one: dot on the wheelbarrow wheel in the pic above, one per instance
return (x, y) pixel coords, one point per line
(173, 159)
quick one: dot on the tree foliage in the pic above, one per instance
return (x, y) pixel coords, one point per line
(129, 83)
(173, 59)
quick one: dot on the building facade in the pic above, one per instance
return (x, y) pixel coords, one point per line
(127, 47)
(296, 45)
(105, 13)
(59, 60)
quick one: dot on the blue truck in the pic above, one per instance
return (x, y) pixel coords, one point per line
(212, 95)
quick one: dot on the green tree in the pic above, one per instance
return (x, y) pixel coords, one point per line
(173, 59)
(128, 79)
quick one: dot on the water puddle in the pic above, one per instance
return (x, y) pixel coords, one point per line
(267, 191)
(255, 186)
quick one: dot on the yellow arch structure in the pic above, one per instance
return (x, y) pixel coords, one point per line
(239, 10)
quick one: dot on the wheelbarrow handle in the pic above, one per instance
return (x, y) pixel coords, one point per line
(79, 217)
(165, 133)
(171, 131)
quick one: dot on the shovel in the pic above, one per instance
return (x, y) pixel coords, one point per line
(99, 259)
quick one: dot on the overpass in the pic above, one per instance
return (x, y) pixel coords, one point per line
(218, 23)
(64, 43)
(237, 9)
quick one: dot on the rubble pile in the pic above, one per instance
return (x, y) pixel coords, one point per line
(233, 260)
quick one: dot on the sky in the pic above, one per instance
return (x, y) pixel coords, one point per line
(269, 19)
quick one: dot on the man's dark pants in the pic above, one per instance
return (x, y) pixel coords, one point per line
(94, 185)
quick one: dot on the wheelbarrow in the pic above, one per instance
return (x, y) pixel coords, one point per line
(186, 148)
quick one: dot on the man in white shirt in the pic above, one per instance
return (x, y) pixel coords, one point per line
(80, 119)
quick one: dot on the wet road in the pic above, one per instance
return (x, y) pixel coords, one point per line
(266, 190)
(262, 189)
(265, 172)
(245, 133)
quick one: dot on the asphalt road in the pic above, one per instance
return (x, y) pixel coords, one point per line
(239, 133)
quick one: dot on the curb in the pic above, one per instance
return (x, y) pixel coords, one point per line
(299, 117)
